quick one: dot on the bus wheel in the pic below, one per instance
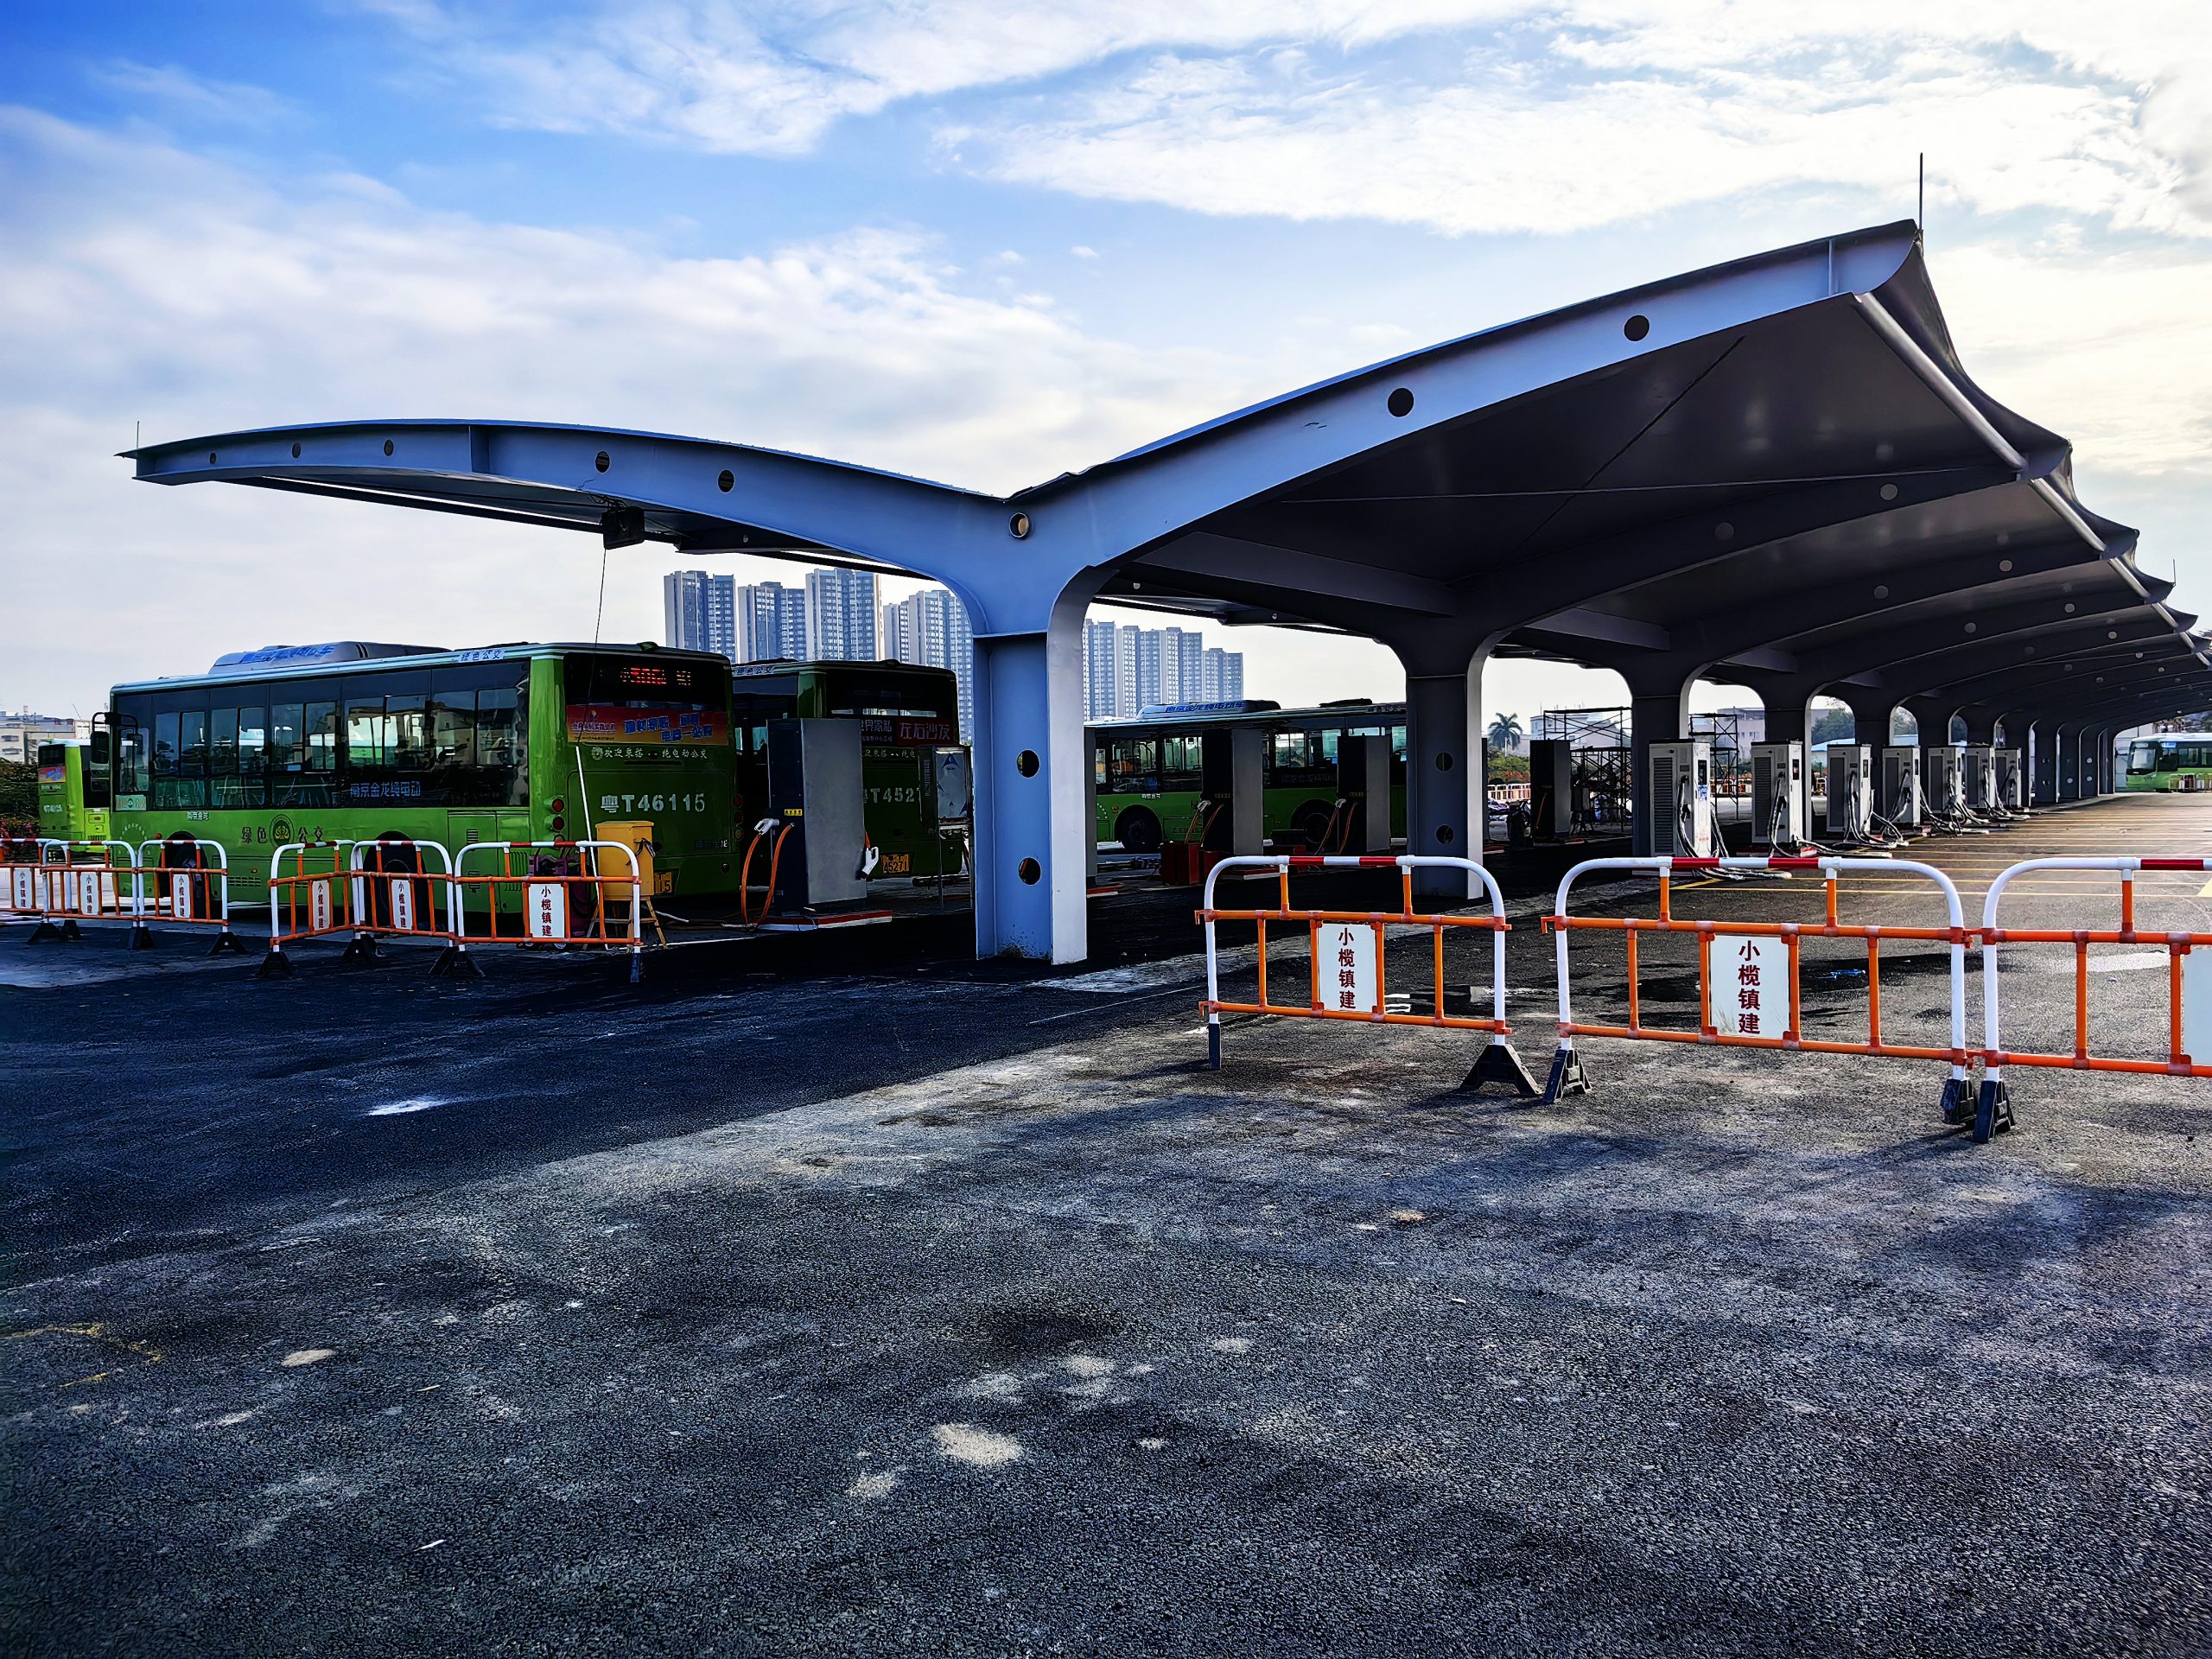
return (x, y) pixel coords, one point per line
(1138, 830)
(1311, 822)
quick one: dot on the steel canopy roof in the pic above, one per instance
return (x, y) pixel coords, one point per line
(1775, 464)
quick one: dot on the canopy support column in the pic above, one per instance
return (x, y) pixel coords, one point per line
(1658, 712)
(1445, 790)
(2066, 739)
(2043, 771)
(1033, 815)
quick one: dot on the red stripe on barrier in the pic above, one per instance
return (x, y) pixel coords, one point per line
(1377, 861)
(2173, 863)
(1305, 861)
(1696, 863)
(1793, 863)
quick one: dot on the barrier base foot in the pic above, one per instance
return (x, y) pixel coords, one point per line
(456, 964)
(1213, 1046)
(1956, 1107)
(1992, 1112)
(141, 938)
(1567, 1078)
(226, 942)
(637, 969)
(275, 965)
(1497, 1063)
(360, 952)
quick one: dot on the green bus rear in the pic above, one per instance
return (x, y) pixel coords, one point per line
(2167, 764)
(908, 713)
(73, 793)
(508, 743)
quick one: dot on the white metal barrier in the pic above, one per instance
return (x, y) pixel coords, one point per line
(547, 897)
(196, 894)
(2189, 982)
(1353, 984)
(1746, 1024)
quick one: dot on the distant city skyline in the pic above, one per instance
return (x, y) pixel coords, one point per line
(1127, 669)
(828, 615)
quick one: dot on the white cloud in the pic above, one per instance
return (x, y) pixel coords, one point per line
(2109, 348)
(178, 93)
(1593, 137)
(141, 282)
(771, 79)
(1509, 115)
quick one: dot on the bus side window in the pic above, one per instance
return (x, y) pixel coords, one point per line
(1135, 764)
(323, 736)
(502, 746)
(1181, 765)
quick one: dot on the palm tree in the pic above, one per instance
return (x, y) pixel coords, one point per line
(1505, 732)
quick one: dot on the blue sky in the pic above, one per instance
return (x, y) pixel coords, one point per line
(983, 242)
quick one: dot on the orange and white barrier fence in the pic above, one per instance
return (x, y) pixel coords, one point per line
(1347, 970)
(185, 879)
(1750, 973)
(2189, 987)
(560, 897)
(396, 894)
(74, 882)
(312, 899)
(21, 888)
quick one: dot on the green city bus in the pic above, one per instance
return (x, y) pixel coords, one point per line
(73, 791)
(515, 742)
(1146, 768)
(2171, 763)
(909, 716)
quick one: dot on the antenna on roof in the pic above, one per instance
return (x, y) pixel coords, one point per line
(1920, 213)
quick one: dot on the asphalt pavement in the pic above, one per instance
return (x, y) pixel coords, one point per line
(801, 1302)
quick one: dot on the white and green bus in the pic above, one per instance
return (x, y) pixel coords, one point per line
(2183, 761)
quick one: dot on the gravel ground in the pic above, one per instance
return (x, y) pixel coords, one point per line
(955, 1310)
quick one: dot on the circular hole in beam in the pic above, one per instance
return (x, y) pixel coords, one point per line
(1636, 326)
(1444, 760)
(601, 461)
(726, 482)
(1444, 835)
(387, 446)
(295, 452)
(1030, 871)
(1025, 763)
(1401, 402)
(1018, 526)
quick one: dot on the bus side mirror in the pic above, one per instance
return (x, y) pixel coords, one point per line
(97, 750)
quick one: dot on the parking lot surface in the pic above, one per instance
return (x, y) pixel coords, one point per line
(952, 1308)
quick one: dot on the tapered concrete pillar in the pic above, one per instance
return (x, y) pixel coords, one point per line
(2067, 740)
(1789, 719)
(1872, 716)
(1657, 714)
(1444, 765)
(2043, 763)
(1032, 805)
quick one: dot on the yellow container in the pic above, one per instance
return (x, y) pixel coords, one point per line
(637, 835)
